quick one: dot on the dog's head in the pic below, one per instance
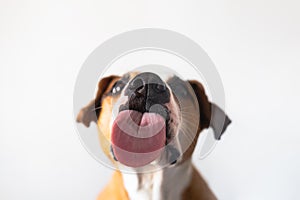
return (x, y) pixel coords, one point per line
(147, 119)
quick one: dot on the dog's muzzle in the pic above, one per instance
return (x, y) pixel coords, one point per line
(139, 132)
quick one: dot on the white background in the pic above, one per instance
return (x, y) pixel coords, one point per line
(255, 45)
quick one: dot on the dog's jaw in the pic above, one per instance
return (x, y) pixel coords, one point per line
(173, 130)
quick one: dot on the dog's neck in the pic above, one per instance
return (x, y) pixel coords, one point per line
(168, 183)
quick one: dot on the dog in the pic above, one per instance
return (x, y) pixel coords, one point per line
(139, 103)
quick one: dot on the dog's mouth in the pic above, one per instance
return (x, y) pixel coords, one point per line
(138, 138)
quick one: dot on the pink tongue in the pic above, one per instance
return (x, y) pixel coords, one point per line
(138, 139)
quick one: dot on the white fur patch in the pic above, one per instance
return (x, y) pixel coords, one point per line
(166, 184)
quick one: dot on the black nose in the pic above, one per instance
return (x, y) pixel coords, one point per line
(145, 90)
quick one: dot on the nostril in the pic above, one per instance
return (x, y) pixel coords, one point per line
(160, 88)
(137, 84)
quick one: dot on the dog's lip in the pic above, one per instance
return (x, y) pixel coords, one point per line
(113, 153)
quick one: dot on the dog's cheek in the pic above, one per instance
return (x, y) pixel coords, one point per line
(103, 123)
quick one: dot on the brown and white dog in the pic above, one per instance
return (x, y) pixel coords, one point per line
(144, 104)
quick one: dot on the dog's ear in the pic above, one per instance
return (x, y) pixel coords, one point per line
(211, 115)
(90, 112)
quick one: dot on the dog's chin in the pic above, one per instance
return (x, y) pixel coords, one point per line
(138, 139)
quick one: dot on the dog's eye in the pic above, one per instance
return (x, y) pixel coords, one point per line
(117, 87)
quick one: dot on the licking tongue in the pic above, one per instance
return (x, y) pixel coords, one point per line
(138, 138)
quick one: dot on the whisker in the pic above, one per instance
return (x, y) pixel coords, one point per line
(190, 119)
(187, 106)
(188, 137)
(187, 116)
(185, 132)
(187, 112)
(96, 108)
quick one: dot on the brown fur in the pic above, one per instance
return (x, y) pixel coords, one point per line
(197, 189)
(114, 190)
(90, 112)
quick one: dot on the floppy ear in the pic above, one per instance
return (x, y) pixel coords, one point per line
(211, 115)
(90, 112)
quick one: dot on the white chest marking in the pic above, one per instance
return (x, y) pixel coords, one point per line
(167, 184)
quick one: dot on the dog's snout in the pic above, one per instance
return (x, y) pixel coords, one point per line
(146, 81)
(145, 90)
(147, 84)
(137, 84)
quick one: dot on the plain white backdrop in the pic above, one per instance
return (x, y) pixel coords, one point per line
(255, 46)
